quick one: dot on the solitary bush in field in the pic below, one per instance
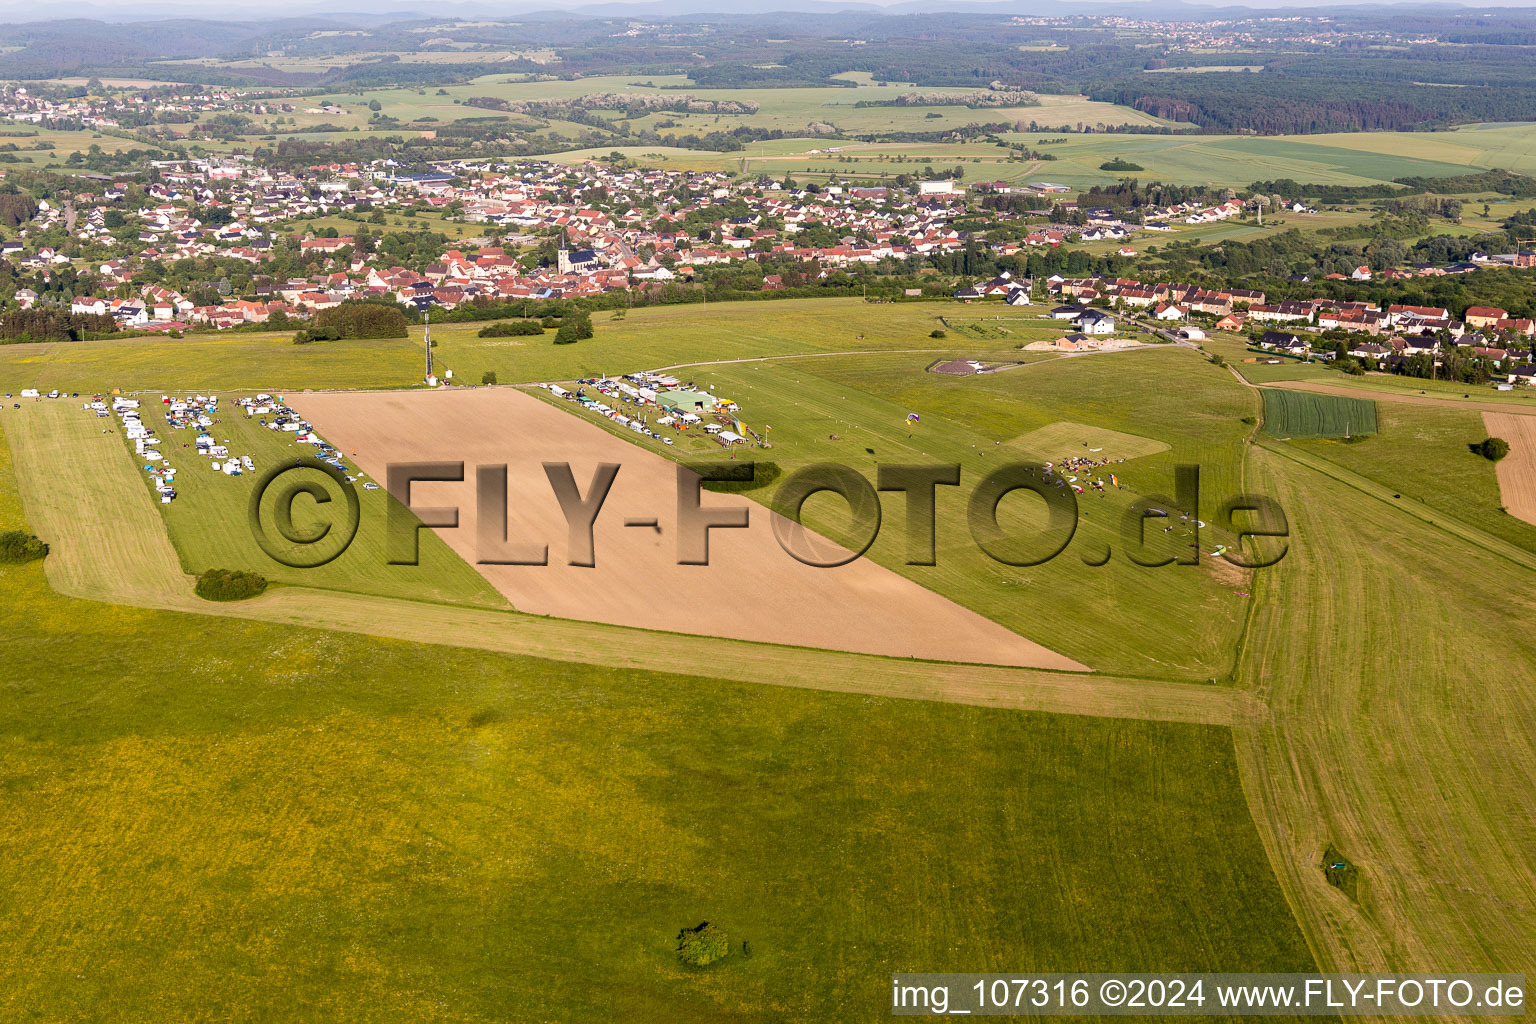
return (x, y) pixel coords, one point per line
(19, 546)
(488, 377)
(229, 585)
(1493, 449)
(573, 328)
(512, 329)
(937, 333)
(702, 945)
(1340, 872)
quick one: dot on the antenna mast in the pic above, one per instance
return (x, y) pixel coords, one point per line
(427, 337)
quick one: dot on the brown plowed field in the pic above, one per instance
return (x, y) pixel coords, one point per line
(1517, 470)
(751, 590)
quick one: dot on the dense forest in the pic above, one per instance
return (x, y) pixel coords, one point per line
(1279, 104)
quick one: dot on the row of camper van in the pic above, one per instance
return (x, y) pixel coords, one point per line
(276, 416)
(201, 412)
(162, 474)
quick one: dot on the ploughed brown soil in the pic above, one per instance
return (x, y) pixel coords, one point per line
(750, 590)
(1517, 470)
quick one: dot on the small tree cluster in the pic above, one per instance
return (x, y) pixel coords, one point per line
(1493, 448)
(574, 327)
(702, 945)
(19, 546)
(361, 320)
(52, 324)
(229, 585)
(512, 329)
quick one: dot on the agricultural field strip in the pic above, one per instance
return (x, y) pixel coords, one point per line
(804, 355)
(110, 544)
(1387, 394)
(1517, 470)
(1450, 524)
(1409, 750)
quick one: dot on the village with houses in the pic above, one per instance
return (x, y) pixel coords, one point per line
(1320, 328)
(487, 233)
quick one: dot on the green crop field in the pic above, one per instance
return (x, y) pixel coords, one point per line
(789, 110)
(385, 830)
(1356, 159)
(1299, 414)
(1350, 159)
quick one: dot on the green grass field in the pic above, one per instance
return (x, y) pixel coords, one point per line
(1422, 453)
(1395, 660)
(660, 336)
(1299, 414)
(253, 818)
(1259, 372)
(1060, 440)
(208, 521)
(212, 361)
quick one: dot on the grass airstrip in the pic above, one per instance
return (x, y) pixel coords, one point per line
(494, 835)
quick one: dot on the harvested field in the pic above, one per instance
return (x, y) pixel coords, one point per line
(751, 589)
(1517, 470)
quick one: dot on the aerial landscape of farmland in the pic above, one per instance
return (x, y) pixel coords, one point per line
(801, 513)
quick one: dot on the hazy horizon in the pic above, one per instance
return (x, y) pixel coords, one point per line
(15, 10)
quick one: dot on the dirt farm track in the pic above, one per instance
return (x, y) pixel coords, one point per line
(750, 590)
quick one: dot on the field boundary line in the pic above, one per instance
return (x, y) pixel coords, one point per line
(1018, 689)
